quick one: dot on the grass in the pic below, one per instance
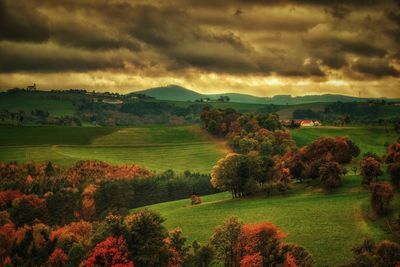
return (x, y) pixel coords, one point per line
(155, 147)
(369, 139)
(50, 135)
(29, 101)
(327, 224)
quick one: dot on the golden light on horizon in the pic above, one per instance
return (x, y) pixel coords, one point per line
(276, 47)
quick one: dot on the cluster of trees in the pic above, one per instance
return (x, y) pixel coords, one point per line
(345, 113)
(393, 161)
(321, 159)
(88, 190)
(299, 114)
(139, 111)
(382, 192)
(385, 253)
(140, 239)
(223, 122)
(238, 244)
(245, 174)
(256, 140)
(266, 157)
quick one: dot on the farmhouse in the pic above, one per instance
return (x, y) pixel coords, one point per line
(112, 101)
(309, 123)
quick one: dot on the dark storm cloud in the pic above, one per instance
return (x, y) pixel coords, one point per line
(20, 23)
(265, 37)
(51, 58)
(375, 67)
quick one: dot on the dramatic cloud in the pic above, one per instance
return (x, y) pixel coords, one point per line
(307, 46)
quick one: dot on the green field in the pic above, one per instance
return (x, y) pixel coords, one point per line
(27, 102)
(327, 224)
(369, 139)
(157, 148)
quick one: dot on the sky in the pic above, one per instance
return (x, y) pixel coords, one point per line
(259, 47)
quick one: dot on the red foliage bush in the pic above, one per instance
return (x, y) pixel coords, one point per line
(253, 260)
(6, 197)
(113, 252)
(57, 258)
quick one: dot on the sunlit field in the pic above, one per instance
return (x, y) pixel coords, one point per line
(157, 148)
(327, 224)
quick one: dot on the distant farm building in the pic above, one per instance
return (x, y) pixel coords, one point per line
(113, 101)
(300, 123)
(31, 87)
(309, 123)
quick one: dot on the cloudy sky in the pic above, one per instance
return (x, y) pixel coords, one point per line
(261, 47)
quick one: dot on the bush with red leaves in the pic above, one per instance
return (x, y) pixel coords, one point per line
(113, 252)
(57, 258)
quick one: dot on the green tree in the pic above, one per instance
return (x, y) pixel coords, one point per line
(225, 242)
(145, 238)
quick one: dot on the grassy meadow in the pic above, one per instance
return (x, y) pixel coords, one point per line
(327, 224)
(27, 102)
(157, 148)
(368, 139)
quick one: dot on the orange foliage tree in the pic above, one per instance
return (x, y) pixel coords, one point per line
(75, 231)
(57, 258)
(88, 202)
(370, 169)
(381, 196)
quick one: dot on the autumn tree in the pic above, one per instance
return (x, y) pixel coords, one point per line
(57, 258)
(381, 196)
(260, 244)
(263, 239)
(393, 160)
(111, 252)
(385, 253)
(330, 174)
(394, 171)
(176, 246)
(88, 202)
(370, 169)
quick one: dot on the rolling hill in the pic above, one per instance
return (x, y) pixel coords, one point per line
(172, 92)
(179, 93)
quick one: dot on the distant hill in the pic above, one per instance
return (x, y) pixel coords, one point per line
(172, 93)
(179, 93)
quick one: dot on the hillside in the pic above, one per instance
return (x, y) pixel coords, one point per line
(178, 93)
(157, 148)
(172, 92)
(336, 217)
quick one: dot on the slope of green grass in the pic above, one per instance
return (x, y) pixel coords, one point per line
(369, 139)
(50, 135)
(327, 224)
(29, 101)
(155, 147)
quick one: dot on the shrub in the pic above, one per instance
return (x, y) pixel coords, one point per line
(330, 173)
(195, 200)
(381, 196)
(111, 252)
(370, 169)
